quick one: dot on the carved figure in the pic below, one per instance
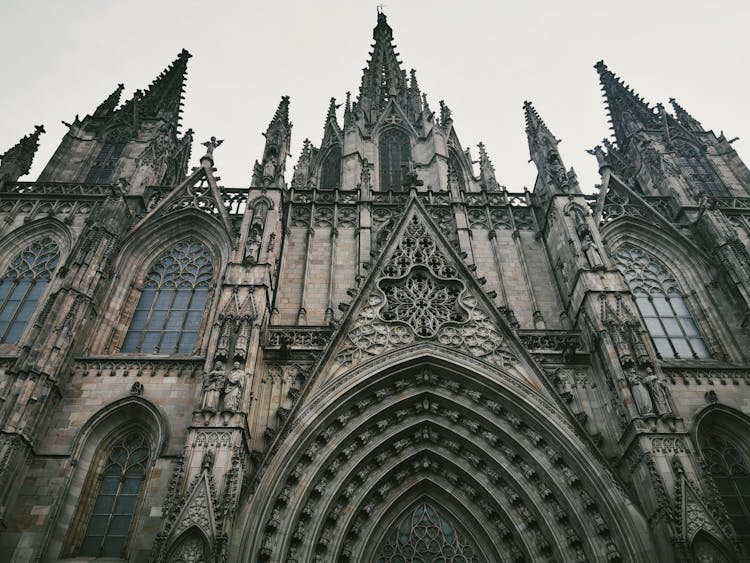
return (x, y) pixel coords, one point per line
(213, 381)
(269, 170)
(211, 145)
(207, 463)
(243, 340)
(253, 246)
(235, 381)
(591, 252)
(640, 393)
(225, 340)
(658, 392)
(558, 175)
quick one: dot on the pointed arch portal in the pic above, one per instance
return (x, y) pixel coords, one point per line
(431, 457)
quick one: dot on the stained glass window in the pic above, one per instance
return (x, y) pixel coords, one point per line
(119, 487)
(23, 286)
(698, 171)
(170, 309)
(330, 171)
(661, 304)
(427, 535)
(394, 152)
(106, 161)
(731, 473)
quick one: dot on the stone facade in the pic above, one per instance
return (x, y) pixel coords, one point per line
(391, 353)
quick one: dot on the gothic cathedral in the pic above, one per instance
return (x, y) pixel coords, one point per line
(381, 356)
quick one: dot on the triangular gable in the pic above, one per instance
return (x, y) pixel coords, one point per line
(393, 114)
(198, 191)
(198, 510)
(419, 291)
(693, 512)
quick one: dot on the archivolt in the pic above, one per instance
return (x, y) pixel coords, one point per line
(528, 481)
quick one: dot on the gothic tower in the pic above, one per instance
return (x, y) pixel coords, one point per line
(391, 357)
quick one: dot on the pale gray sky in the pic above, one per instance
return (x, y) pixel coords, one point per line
(484, 58)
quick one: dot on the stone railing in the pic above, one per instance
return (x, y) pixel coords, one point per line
(56, 189)
(565, 342)
(429, 197)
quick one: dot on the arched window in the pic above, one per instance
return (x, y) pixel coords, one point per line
(106, 161)
(660, 302)
(730, 470)
(698, 171)
(170, 309)
(191, 548)
(394, 151)
(120, 483)
(330, 171)
(425, 534)
(23, 285)
(454, 167)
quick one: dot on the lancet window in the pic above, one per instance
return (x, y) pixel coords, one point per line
(698, 170)
(730, 470)
(330, 171)
(174, 295)
(661, 304)
(119, 488)
(454, 168)
(394, 152)
(425, 535)
(23, 285)
(106, 160)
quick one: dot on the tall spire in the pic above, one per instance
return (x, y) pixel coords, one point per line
(383, 78)
(544, 153)
(108, 106)
(537, 132)
(685, 119)
(16, 161)
(270, 171)
(331, 129)
(627, 110)
(163, 98)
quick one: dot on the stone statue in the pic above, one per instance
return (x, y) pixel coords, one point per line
(591, 252)
(269, 170)
(253, 246)
(558, 175)
(137, 389)
(225, 340)
(207, 463)
(211, 145)
(243, 340)
(213, 381)
(640, 393)
(233, 385)
(658, 392)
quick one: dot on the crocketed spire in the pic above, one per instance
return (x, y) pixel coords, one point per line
(17, 160)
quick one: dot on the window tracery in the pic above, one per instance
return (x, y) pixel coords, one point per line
(23, 285)
(426, 535)
(394, 151)
(120, 484)
(174, 295)
(454, 168)
(106, 160)
(698, 170)
(661, 304)
(330, 170)
(730, 470)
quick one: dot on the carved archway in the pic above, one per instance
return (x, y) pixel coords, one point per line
(507, 461)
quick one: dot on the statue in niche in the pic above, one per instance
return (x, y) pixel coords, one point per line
(235, 381)
(640, 393)
(252, 249)
(591, 252)
(658, 392)
(207, 463)
(225, 339)
(137, 389)
(243, 340)
(557, 173)
(213, 381)
(269, 171)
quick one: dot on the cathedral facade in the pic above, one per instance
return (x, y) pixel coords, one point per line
(380, 355)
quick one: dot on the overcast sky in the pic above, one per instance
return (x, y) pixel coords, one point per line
(484, 58)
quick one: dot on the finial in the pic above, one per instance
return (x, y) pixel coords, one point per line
(446, 115)
(210, 146)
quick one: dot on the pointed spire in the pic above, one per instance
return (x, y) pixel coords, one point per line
(17, 160)
(487, 178)
(348, 118)
(281, 117)
(278, 137)
(627, 110)
(302, 170)
(446, 115)
(383, 78)
(109, 105)
(539, 136)
(415, 96)
(331, 129)
(163, 98)
(685, 119)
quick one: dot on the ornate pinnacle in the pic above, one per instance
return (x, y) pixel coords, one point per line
(348, 109)
(685, 119)
(627, 110)
(446, 115)
(109, 105)
(281, 117)
(17, 160)
(487, 171)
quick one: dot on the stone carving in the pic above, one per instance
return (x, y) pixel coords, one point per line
(420, 296)
(233, 385)
(213, 382)
(137, 389)
(640, 393)
(591, 252)
(657, 390)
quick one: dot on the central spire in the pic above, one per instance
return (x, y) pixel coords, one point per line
(382, 79)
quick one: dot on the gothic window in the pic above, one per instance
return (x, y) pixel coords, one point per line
(698, 170)
(190, 549)
(170, 309)
(426, 535)
(119, 486)
(661, 304)
(731, 473)
(23, 285)
(330, 171)
(106, 161)
(394, 152)
(454, 167)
